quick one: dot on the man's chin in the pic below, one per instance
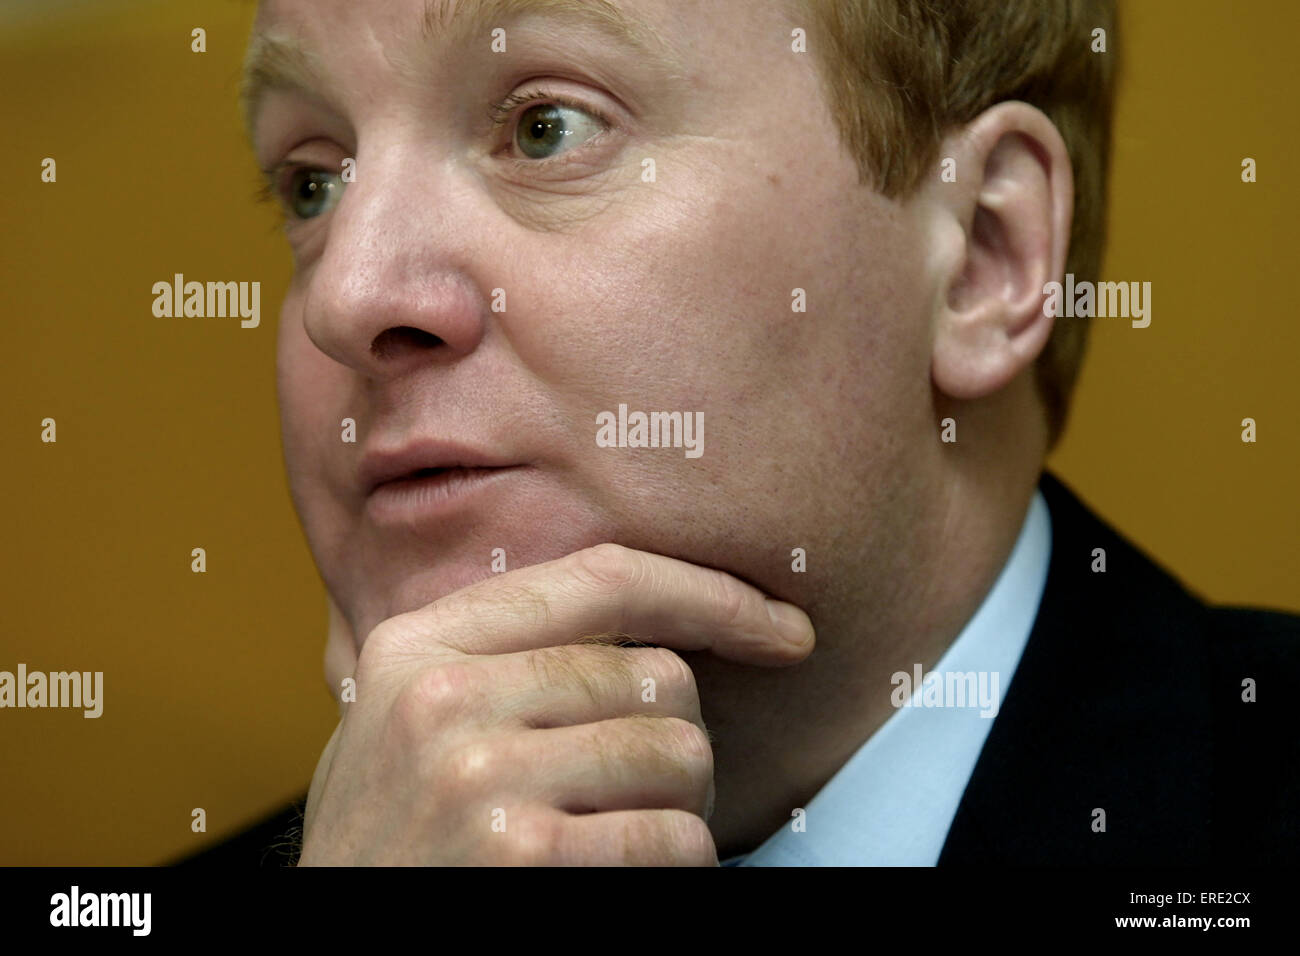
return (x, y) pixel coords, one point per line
(416, 588)
(423, 587)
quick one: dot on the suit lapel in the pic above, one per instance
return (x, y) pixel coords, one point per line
(1108, 710)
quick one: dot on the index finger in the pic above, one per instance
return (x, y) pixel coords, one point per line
(612, 589)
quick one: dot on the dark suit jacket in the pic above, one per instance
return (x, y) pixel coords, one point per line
(1128, 699)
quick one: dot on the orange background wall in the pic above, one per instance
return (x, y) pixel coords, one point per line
(167, 439)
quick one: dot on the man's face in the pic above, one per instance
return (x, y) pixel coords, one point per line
(648, 225)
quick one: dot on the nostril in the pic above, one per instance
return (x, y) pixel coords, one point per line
(392, 343)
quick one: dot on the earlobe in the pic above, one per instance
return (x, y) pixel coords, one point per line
(1013, 216)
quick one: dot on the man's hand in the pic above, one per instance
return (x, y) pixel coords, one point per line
(483, 734)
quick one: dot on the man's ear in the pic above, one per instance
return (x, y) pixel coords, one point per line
(1002, 230)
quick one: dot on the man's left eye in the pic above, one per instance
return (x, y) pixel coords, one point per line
(311, 192)
(549, 129)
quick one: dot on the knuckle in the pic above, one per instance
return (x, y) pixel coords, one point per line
(605, 566)
(673, 669)
(732, 599)
(691, 742)
(692, 838)
(668, 836)
(435, 693)
(471, 767)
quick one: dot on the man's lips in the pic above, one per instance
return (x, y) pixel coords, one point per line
(427, 481)
(421, 461)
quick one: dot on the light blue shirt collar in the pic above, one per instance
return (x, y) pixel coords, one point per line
(892, 803)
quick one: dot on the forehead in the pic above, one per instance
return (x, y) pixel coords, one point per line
(289, 35)
(450, 22)
(296, 43)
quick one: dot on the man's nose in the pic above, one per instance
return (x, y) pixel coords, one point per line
(392, 288)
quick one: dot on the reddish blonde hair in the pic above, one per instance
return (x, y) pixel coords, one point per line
(900, 74)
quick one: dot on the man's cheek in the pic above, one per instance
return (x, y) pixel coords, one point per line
(314, 434)
(311, 385)
(299, 422)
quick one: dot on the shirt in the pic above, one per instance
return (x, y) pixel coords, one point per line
(894, 800)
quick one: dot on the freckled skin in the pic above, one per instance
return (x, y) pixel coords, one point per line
(668, 295)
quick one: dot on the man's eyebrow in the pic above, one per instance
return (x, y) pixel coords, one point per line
(279, 62)
(274, 63)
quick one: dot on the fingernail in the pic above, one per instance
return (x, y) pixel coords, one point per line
(790, 622)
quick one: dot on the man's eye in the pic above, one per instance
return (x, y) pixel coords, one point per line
(549, 129)
(311, 192)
